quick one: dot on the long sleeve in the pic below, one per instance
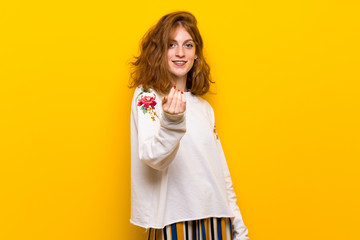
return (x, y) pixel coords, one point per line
(240, 231)
(158, 133)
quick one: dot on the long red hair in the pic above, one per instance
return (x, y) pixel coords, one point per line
(150, 68)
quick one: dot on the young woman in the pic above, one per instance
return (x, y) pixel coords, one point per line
(180, 182)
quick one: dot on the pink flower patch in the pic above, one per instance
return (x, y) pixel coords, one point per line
(147, 102)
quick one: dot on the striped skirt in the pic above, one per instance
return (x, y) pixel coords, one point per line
(204, 229)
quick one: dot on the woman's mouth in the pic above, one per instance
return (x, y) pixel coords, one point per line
(179, 63)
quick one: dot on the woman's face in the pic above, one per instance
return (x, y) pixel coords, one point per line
(181, 53)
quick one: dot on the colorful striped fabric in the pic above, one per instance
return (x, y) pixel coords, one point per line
(204, 229)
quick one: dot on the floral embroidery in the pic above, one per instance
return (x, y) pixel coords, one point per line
(147, 102)
(215, 132)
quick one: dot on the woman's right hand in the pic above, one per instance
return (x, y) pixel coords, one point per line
(175, 102)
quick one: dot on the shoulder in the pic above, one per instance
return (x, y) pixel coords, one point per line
(205, 103)
(141, 90)
(141, 93)
(207, 107)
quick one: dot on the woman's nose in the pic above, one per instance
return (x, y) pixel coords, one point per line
(180, 52)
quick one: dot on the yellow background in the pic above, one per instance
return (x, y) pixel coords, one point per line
(287, 112)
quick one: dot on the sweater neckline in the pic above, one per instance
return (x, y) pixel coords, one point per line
(191, 97)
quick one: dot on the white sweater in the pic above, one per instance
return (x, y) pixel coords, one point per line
(178, 167)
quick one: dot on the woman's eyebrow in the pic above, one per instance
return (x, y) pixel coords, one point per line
(187, 40)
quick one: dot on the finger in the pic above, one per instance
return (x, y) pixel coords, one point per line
(164, 100)
(173, 102)
(178, 103)
(183, 102)
(170, 96)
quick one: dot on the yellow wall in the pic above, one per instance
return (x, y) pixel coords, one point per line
(287, 110)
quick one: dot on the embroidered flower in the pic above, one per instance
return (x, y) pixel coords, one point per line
(215, 132)
(147, 102)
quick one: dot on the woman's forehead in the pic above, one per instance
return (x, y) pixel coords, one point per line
(180, 33)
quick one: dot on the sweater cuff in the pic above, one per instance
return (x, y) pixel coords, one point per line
(173, 121)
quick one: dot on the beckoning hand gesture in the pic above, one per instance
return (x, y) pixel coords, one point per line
(175, 102)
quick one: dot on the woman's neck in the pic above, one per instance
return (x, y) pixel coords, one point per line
(180, 84)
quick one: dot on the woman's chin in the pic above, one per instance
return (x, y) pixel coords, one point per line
(178, 76)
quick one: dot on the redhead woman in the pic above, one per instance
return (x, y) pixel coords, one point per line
(180, 182)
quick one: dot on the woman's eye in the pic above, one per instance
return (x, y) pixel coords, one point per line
(171, 45)
(189, 45)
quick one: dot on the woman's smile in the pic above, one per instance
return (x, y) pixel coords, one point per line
(179, 63)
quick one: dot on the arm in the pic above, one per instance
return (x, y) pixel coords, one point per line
(158, 137)
(240, 231)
